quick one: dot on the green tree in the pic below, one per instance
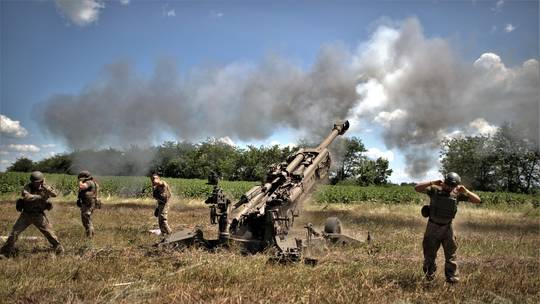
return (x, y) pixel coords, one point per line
(518, 164)
(60, 163)
(22, 164)
(351, 161)
(474, 158)
(382, 173)
(505, 161)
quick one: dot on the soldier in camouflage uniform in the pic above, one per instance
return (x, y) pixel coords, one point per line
(32, 206)
(444, 198)
(87, 200)
(162, 193)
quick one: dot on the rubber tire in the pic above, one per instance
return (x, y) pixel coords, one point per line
(333, 225)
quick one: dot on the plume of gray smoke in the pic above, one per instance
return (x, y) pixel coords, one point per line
(419, 91)
(416, 88)
(240, 101)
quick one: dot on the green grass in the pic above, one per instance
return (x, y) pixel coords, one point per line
(498, 257)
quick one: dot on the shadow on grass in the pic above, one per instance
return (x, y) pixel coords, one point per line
(400, 221)
(406, 281)
(139, 206)
(347, 217)
(516, 228)
(133, 205)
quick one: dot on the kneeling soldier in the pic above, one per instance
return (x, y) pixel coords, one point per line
(87, 200)
(444, 197)
(32, 206)
(162, 193)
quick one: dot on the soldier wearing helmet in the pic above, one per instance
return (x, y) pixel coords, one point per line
(87, 200)
(162, 193)
(444, 197)
(32, 205)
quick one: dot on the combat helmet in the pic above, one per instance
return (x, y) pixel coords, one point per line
(84, 174)
(36, 177)
(213, 178)
(452, 179)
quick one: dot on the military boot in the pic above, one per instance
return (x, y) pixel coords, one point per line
(90, 233)
(452, 280)
(430, 272)
(58, 249)
(7, 251)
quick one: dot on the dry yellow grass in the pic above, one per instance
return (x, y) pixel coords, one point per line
(498, 258)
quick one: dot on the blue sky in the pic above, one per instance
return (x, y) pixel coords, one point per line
(50, 48)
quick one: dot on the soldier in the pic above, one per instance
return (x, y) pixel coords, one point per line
(87, 200)
(444, 197)
(162, 193)
(32, 206)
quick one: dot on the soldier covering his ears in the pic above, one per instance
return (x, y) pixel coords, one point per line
(87, 200)
(32, 205)
(444, 197)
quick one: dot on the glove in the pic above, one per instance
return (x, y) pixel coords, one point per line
(156, 212)
(48, 206)
(79, 203)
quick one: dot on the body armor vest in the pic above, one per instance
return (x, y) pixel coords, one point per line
(88, 196)
(161, 193)
(442, 207)
(35, 206)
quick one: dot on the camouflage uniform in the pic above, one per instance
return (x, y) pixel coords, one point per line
(439, 231)
(162, 194)
(87, 200)
(33, 204)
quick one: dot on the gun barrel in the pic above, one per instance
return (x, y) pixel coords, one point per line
(339, 129)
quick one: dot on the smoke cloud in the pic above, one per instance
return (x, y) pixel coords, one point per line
(240, 101)
(416, 88)
(420, 91)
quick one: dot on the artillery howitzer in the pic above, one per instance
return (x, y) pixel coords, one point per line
(264, 215)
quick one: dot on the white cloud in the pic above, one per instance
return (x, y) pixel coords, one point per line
(275, 142)
(483, 127)
(47, 146)
(387, 118)
(170, 13)
(226, 140)
(509, 28)
(124, 2)
(80, 12)
(488, 61)
(375, 153)
(454, 134)
(23, 148)
(5, 162)
(372, 97)
(11, 128)
(4, 153)
(498, 6)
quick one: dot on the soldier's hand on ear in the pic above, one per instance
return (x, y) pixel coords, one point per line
(461, 189)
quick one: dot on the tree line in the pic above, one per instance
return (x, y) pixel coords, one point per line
(197, 160)
(505, 161)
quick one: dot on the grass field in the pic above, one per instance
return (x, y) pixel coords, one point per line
(498, 257)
